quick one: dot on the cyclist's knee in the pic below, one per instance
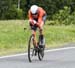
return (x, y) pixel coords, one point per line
(33, 35)
(41, 31)
(33, 32)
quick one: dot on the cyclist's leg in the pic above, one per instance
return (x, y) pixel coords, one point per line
(42, 24)
(34, 41)
(41, 27)
(41, 32)
(34, 28)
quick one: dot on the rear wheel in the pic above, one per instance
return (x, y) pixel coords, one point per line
(41, 48)
(41, 54)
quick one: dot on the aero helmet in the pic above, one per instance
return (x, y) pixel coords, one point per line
(34, 9)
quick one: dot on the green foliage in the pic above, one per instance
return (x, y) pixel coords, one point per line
(13, 37)
(64, 17)
(19, 13)
(8, 8)
(11, 13)
(70, 19)
(14, 13)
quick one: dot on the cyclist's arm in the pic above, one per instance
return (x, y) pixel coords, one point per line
(29, 16)
(41, 14)
(40, 19)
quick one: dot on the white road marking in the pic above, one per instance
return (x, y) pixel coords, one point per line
(58, 49)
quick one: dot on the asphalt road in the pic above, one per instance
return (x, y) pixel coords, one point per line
(56, 58)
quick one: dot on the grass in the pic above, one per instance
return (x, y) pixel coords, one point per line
(14, 39)
(59, 35)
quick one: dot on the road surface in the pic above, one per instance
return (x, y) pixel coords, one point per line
(55, 58)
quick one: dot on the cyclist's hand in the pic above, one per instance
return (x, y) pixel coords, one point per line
(33, 22)
(37, 24)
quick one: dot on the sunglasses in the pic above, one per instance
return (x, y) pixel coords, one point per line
(35, 14)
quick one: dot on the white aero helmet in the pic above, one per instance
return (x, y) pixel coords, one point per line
(34, 9)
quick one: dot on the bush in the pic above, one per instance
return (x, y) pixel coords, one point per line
(19, 13)
(14, 13)
(70, 19)
(64, 17)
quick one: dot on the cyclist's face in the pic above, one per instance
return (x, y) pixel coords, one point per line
(35, 15)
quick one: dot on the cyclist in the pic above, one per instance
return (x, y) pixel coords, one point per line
(37, 17)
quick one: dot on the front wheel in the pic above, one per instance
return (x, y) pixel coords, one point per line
(30, 48)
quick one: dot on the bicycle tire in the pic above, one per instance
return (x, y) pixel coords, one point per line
(40, 55)
(41, 50)
(29, 48)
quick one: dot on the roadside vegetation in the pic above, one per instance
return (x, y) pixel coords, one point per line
(14, 39)
(15, 31)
